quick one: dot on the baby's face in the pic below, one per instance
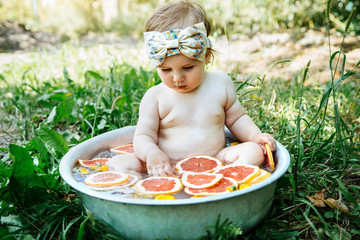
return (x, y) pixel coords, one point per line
(181, 73)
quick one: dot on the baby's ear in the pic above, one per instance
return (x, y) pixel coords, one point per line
(207, 56)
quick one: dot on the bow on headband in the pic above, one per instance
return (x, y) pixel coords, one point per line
(191, 42)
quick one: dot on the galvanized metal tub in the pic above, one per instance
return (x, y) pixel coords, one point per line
(175, 219)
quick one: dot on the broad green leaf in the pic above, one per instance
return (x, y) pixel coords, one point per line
(23, 167)
(64, 109)
(53, 139)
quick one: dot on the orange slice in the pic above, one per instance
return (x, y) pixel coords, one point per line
(131, 181)
(240, 173)
(153, 186)
(198, 163)
(270, 159)
(93, 163)
(219, 188)
(200, 180)
(261, 177)
(106, 179)
(128, 148)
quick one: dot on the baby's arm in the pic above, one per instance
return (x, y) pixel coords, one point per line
(240, 124)
(146, 137)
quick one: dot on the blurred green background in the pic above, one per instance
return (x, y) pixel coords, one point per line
(74, 18)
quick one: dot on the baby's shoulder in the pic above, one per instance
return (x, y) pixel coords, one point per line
(218, 77)
(154, 91)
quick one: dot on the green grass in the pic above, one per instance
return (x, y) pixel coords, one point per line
(57, 100)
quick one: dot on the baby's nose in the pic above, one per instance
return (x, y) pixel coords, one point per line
(178, 77)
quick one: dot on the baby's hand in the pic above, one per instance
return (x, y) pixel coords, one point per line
(263, 138)
(158, 164)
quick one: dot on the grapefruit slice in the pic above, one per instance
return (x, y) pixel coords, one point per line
(270, 159)
(106, 179)
(131, 181)
(261, 177)
(154, 186)
(200, 180)
(198, 163)
(128, 148)
(219, 188)
(240, 173)
(94, 163)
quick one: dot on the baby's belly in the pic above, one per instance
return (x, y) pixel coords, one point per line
(179, 143)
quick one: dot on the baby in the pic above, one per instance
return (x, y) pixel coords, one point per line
(185, 114)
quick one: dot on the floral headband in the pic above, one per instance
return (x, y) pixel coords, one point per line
(191, 42)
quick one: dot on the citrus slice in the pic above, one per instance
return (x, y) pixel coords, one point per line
(219, 188)
(261, 177)
(94, 163)
(270, 159)
(154, 186)
(131, 181)
(200, 180)
(128, 148)
(165, 197)
(106, 179)
(240, 173)
(198, 163)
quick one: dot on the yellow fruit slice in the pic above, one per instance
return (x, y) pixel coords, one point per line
(270, 159)
(198, 163)
(154, 186)
(261, 177)
(200, 180)
(165, 197)
(106, 179)
(241, 173)
(242, 186)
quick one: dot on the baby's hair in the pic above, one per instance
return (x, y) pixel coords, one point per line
(178, 15)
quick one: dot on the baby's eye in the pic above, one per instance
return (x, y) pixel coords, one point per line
(188, 67)
(166, 69)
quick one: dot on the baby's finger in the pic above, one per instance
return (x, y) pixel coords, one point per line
(263, 149)
(168, 170)
(272, 144)
(150, 172)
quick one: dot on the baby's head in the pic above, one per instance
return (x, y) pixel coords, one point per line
(176, 15)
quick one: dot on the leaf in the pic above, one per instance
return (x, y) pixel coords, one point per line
(53, 139)
(64, 109)
(51, 116)
(318, 199)
(61, 111)
(23, 166)
(36, 145)
(81, 232)
(19, 176)
(90, 75)
(338, 205)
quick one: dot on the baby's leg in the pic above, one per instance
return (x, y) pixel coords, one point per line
(244, 153)
(126, 163)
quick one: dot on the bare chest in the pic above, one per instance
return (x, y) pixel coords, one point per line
(191, 111)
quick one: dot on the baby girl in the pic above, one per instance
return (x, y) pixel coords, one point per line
(186, 114)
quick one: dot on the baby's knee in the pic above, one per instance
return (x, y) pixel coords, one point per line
(245, 153)
(125, 163)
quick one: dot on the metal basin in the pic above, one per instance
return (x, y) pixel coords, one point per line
(174, 219)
